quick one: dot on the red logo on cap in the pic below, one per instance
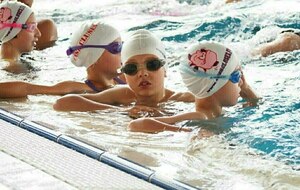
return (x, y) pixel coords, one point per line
(204, 59)
(83, 39)
(5, 14)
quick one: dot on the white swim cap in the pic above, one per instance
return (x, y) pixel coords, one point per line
(143, 42)
(12, 12)
(91, 34)
(202, 66)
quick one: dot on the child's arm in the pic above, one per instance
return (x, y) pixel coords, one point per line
(18, 89)
(159, 124)
(248, 93)
(79, 103)
(13, 89)
(91, 102)
(151, 125)
(183, 97)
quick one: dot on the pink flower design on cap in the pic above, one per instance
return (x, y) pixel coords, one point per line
(204, 59)
(5, 14)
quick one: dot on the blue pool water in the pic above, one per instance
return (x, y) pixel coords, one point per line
(256, 147)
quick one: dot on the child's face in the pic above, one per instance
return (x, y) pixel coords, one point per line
(145, 82)
(26, 40)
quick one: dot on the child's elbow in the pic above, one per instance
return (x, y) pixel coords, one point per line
(145, 125)
(62, 104)
(57, 105)
(134, 126)
(140, 125)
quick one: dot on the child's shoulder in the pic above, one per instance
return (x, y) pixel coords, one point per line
(121, 93)
(182, 96)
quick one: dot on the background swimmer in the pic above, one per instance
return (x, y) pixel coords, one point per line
(17, 38)
(287, 40)
(47, 28)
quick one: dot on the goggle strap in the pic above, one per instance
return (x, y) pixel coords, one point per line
(71, 50)
(10, 25)
(195, 72)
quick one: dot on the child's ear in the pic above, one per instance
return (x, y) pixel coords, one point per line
(165, 73)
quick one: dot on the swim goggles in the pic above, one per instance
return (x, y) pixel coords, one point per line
(151, 65)
(27, 26)
(114, 47)
(234, 77)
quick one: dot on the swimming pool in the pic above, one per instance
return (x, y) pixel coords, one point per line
(256, 147)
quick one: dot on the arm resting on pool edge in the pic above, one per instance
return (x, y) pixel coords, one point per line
(151, 125)
(17, 89)
(159, 124)
(100, 101)
(79, 103)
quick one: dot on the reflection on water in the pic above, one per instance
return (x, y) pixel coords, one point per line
(255, 148)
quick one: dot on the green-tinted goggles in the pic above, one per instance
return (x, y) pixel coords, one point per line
(151, 65)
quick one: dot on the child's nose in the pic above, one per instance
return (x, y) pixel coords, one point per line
(143, 72)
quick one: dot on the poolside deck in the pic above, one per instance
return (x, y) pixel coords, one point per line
(29, 161)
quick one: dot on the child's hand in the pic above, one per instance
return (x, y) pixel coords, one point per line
(201, 134)
(146, 125)
(138, 111)
(247, 92)
(244, 86)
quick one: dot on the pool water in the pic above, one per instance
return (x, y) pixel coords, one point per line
(255, 148)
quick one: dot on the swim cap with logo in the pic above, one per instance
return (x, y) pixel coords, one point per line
(91, 34)
(12, 12)
(204, 66)
(143, 42)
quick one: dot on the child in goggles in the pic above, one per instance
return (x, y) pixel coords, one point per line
(17, 26)
(143, 57)
(212, 73)
(150, 65)
(101, 65)
(48, 30)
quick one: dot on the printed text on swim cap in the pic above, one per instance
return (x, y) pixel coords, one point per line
(84, 38)
(19, 12)
(224, 63)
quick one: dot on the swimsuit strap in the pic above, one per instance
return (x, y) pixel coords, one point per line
(119, 81)
(92, 86)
